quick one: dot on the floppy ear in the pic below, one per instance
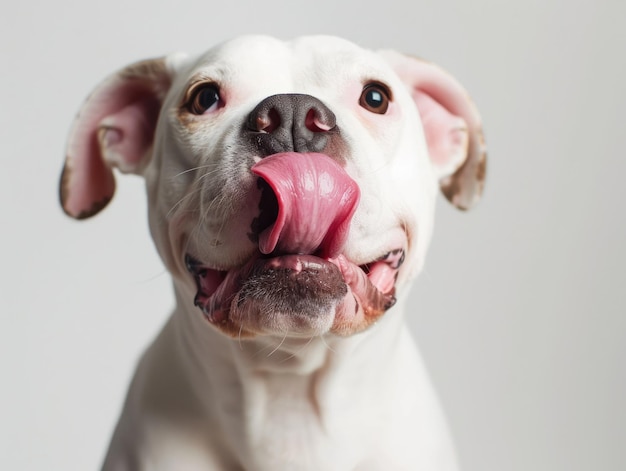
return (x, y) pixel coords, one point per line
(114, 128)
(452, 127)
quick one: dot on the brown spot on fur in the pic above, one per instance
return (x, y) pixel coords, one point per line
(65, 176)
(373, 308)
(481, 171)
(188, 120)
(451, 186)
(465, 186)
(95, 208)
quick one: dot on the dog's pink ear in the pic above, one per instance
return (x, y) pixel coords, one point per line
(452, 127)
(114, 128)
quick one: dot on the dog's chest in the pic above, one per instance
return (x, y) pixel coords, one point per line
(287, 424)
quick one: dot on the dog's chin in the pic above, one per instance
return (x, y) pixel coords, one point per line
(296, 295)
(291, 294)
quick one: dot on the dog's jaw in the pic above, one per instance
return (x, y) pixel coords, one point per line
(299, 282)
(296, 295)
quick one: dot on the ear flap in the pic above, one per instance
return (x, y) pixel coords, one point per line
(114, 128)
(452, 127)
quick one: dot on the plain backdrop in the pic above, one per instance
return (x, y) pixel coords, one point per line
(520, 313)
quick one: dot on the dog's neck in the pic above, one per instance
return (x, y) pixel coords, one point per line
(252, 387)
(282, 362)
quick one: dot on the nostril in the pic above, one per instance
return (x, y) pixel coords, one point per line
(273, 121)
(263, 123)
(267, 122)
(314, 122)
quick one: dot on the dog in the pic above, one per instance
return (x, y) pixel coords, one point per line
(291, 189)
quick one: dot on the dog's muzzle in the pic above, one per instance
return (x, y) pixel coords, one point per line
(299, 282)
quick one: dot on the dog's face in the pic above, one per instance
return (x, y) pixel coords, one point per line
(291, 186)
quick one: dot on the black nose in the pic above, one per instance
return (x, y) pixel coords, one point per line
(290, 123)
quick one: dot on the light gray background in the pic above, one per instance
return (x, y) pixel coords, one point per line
(521, 312)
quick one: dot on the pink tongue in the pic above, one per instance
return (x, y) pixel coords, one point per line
(316, 201)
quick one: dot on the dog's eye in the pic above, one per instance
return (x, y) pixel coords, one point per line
(204, 98)
(375, 98)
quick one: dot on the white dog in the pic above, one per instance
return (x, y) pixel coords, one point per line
(291, 190)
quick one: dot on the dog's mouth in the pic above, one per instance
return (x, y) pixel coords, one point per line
(299, 281)
(302, 287)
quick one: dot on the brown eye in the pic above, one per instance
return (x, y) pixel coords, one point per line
(375, 98)
(204, 98)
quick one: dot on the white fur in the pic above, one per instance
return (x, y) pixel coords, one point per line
(203, 400)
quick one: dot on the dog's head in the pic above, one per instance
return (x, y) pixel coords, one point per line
(291, 186)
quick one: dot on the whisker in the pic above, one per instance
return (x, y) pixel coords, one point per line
(321, 336)
(181, 201)
(193, 169)
(293, 355)
(239, 336)
(279, 345)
